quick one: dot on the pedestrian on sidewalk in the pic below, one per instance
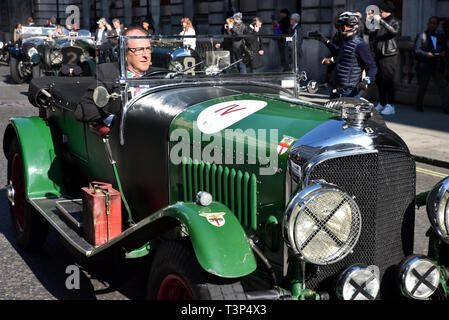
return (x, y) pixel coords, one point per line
(431, 50)
(188, 30)
(352, 57)
(386, 55)
(238, 43)
(295, 18)
(254, 45)
(284, 26)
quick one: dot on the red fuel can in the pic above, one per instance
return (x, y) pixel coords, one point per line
(102, 213)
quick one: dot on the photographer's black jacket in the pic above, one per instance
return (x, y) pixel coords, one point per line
(384, 40)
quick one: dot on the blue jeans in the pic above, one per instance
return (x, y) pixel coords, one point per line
(346, 93)
(242, 68)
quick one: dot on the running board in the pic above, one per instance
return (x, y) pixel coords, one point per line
(72, 211)
(59, 214)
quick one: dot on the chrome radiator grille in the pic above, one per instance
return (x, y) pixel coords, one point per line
(383, 184)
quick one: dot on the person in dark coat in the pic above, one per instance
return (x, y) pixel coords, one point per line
(351, 57)
(254, 46)
(102, 33)
(296, 29)
(238, 43)
(431, 50)
(148, 26)
(386, 54)
(284, 29)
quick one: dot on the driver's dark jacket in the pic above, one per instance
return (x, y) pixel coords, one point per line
(107, 76)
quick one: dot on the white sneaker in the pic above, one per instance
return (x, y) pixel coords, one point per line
(379, 107)
(388, 110)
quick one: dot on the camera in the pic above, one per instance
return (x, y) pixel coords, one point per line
(314, 35)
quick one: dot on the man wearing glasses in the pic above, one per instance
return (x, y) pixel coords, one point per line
(138, 64)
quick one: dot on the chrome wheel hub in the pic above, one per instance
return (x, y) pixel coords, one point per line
(10, 192)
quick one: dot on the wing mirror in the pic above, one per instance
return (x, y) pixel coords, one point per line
(312, 87)
(101, 96)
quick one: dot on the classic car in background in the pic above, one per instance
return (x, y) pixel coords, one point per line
(4, 51)
(41, 51)
(24, 60)
(231, 184)
(172, 54)
(71, 54)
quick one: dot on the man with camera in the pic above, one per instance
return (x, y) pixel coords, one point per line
(386, 55)
(430, 50)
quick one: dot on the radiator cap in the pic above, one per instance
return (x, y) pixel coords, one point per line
(357, 113)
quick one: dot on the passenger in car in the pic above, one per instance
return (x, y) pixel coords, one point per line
(138, 62)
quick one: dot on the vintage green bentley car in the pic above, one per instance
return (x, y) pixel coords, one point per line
(230, 184)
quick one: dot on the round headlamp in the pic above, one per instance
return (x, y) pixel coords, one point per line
(322, 224)
(438, 209)
(31, 51)
(1, 45)
(418, 277)
(175, 66)
(203, 198)
(359, 282)
(36, 58)
(56, 57)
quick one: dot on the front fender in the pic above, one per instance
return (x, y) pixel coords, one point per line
(43, 172)
(221, 250)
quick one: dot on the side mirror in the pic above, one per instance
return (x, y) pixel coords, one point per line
(101, 96)
(312, 87)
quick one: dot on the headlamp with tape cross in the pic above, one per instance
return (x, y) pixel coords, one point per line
(359, 282)
(419, 277)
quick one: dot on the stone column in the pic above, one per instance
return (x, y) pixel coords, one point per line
(316, 15)
(216, 17)
(234, 6)
(265, 8)
(127, 12)
(415, 14)
(189, 9)
(105, 9)
(85, 11)
(177, 12)
(156, 14)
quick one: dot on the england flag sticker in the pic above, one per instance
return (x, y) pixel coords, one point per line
(285, 143)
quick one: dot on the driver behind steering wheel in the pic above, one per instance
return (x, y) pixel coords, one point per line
(138, 64)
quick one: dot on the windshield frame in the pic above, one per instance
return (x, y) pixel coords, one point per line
(256, 79)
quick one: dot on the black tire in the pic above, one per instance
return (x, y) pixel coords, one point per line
(36, 71)
(176, 258)
(29, 227)
(14, 70)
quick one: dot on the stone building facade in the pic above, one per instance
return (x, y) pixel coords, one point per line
(209, 15)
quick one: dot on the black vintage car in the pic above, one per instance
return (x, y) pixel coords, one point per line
(4, 51)
(24, 58)
(70, 54)
(42, 51)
